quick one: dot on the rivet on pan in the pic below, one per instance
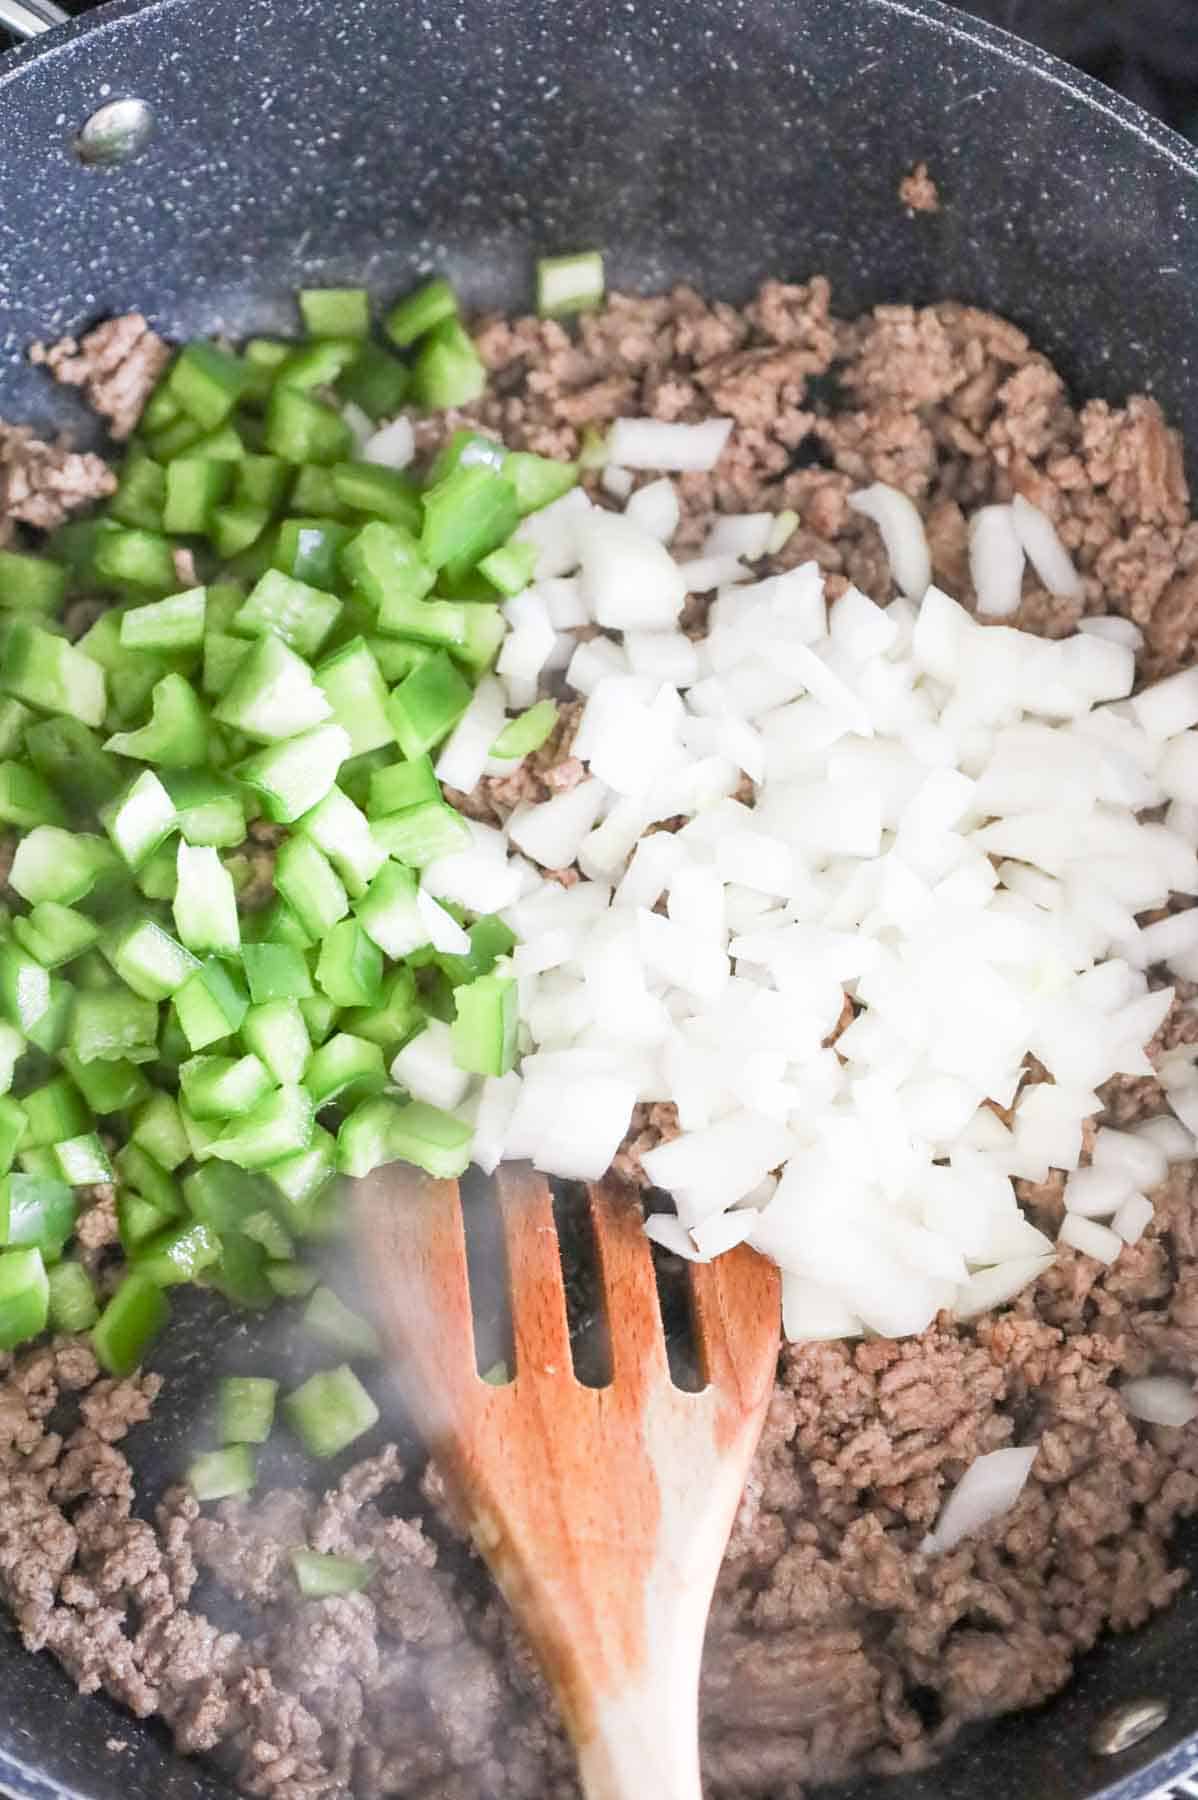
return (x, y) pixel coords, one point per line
(115, 133)
(1128, 1725)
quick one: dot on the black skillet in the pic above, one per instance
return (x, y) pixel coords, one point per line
(712, 140)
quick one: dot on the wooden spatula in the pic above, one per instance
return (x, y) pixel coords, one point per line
(602, 1512)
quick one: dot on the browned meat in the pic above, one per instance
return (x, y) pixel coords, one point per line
(117, 364)
(43, 484)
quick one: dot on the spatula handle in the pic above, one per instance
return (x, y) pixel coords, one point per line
(615, 1766)
(645, 1737)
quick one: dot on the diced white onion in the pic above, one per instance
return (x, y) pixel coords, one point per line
(906, 544)
(987, 1491)
(1045, 551)
(1160, 1399)
(996, 556)
(392, 447)
(1090, 1238)
(654, 444)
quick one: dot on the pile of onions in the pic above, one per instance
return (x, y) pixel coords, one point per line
(949, 830)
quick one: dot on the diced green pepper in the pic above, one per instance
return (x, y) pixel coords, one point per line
(522, 735)
(350, 968)
(206, 382)
(471, 512)
(178, 1254)
(292, 777)
(276, 1032)
(221, 1474)
(427, 704)
(375, 381)
(195, 487)
(306, 880)
(347, 1067)
(357, 694)
(148, 959)
(484, 1031)
(36, 1211)
(31, 583)
(133, 1318)
(205, 904)
(301, 615)
(176, 623)
(112, 1025)
(276, 972)
(278, 1127)
(83, 1161)
(51, 675)
(272, 695)
(379, 492)
(72, 1298)
(24, 1297)
(385, 563)
(177, 735)
(569, 284)
(302, 430)
(223, 1087)
(420, 834)
(211, 1004)
(319, 1575)
(247, 1408)
(448, 370)
(432, 1139)
(141, 819)
(330, 1411)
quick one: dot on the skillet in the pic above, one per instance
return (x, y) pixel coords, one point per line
(304, 141)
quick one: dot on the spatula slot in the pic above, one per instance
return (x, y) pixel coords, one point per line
(490, 1279)
(590, 1337)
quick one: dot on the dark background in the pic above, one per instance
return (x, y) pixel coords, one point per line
(1147, 49)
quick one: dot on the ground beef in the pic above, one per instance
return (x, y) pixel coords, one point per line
(918, 192)
(43, 484)
(117, 364)
(835, 1645)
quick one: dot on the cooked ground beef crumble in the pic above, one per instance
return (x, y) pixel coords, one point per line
(834, 1643)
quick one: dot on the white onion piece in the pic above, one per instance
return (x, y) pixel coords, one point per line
(444, 932)
(617, 482)
(654, 508)
(393, 447)
(1115, 628)
(702, 573)
(629, 580)
(1169, 706)
(553, 530)
(1089, 1238)
(427, 1069)
(747, 535)
(813, 1314)
(1144, 1162)
(552, 832)
(987, 1491)
(1160, 1399)
(1168, 1135)
(996, 556)
(897, 518)
(496, 1108)
(1045, 551)
(1133, 1218)
(654, 444)
(465, 755)
(993, 1287)
(668, 1230)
